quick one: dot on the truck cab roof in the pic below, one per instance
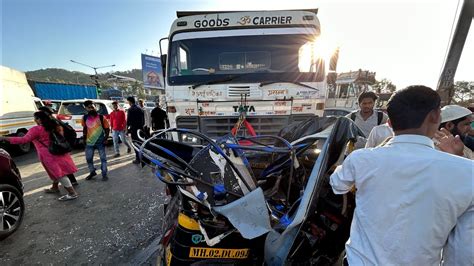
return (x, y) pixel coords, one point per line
(221, 20)
(181, 14)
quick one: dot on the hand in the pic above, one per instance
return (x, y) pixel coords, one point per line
(446, 142)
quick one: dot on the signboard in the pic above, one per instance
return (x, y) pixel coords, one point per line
(232, 109)
(152, 72)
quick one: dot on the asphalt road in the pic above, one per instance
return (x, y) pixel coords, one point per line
(112, 222)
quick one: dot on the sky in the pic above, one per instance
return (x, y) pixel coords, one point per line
(402, 40)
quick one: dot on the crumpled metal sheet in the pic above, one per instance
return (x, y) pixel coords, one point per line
(278, 245)
(248, 214)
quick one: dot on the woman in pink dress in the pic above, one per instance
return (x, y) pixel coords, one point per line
(57, 166)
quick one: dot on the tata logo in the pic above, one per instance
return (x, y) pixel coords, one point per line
(247, 108)
(196, 239)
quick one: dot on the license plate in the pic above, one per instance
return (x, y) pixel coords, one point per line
(218, 253)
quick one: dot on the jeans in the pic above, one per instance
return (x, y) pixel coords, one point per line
(115, 137)
(90, 157)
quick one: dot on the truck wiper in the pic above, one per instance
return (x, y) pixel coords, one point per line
(216, 81)
(286, 81)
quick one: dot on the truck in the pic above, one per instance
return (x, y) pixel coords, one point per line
(270, 65)
(63, 91)
(17, 105)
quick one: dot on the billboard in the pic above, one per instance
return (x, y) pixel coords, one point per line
(152, 72)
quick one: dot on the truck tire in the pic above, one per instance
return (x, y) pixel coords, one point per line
(14, 208)
(22, 148)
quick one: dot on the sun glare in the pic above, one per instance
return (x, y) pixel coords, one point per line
(313, 53)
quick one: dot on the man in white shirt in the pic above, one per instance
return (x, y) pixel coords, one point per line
(147, 115)
(378, 135)
(412, 201)
(366, 118)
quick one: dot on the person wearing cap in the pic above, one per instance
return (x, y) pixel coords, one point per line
(455, 120)
(366, 118)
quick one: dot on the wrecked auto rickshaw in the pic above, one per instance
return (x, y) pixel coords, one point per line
(254, 200)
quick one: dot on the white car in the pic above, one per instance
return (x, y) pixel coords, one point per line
(72, 112)
(124, 106)
(150, 105)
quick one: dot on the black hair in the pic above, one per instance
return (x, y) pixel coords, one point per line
(46, 109)
(115, 103)
(88, 103)
(46, 121)
(455, 122)
(408, 108)
(131, 99)
(367, 94)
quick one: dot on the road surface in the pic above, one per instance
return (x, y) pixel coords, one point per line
(112, 222)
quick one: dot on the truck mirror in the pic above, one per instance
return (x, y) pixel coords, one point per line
(163, 58)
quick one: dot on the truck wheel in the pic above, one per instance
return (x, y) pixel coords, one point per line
(22, 148)
(12, 209)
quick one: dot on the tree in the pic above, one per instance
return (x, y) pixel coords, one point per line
(384, 86)
(463, 93)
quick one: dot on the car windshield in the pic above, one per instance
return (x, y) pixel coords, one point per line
(55, 106)
(77, 108)
(252, 55)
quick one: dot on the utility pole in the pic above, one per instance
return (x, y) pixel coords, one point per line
(446, 80)
(95, 77)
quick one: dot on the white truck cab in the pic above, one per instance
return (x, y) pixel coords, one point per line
(268, 63)
(17, 105)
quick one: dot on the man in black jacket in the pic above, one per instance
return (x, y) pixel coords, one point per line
(135, 121)
(159, 118)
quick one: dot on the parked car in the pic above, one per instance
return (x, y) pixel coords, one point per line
(336, 112)
(72, 112)
(12, 207)
(124, 106)
(150, 105)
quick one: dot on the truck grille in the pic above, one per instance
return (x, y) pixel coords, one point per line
(219, 126)
(239, 91)
(189, 122)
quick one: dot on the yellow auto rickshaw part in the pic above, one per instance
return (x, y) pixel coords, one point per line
(187, 222)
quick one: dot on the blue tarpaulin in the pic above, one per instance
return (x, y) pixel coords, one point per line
(57, 91)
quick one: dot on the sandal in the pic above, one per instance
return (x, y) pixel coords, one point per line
(51, 190)
(67, 197)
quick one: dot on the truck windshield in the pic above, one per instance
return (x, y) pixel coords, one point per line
(253, 56)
